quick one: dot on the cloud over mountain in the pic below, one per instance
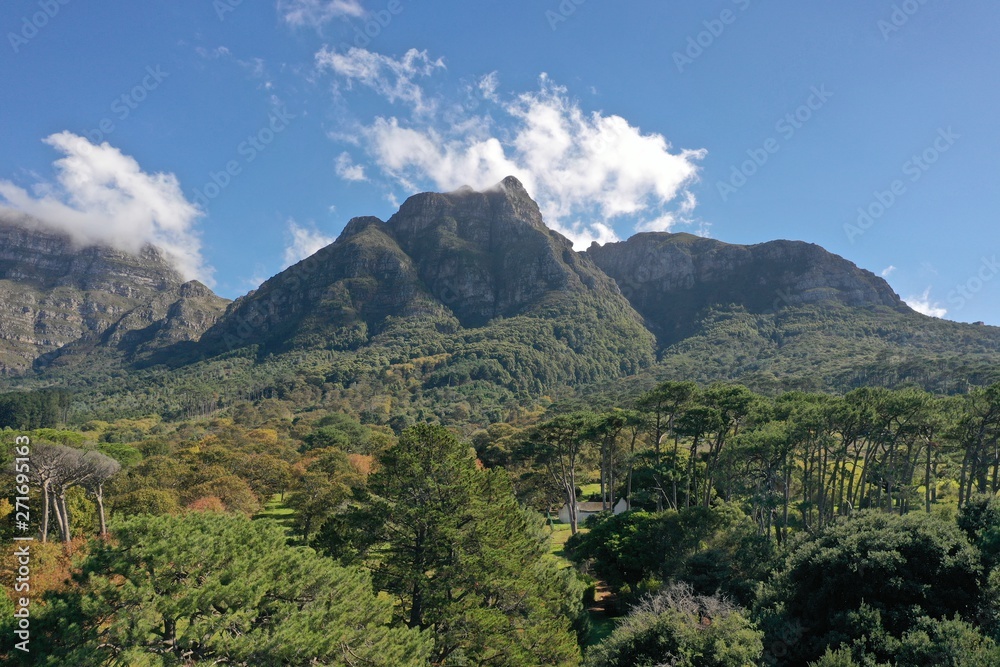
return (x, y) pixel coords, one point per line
(587, 170)
(102, 196)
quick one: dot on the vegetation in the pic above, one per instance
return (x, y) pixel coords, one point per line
(800, 529)
(37, 409)
(464, 561)
(205, 588)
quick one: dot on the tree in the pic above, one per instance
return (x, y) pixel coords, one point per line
(56, 468)
(560, 445)
(979, 518)
(714, 550)
(102, 468)
(203, 588)
(979, 436)
(875, 570)
(463, 560)
(606, 431)
(663, 405)
(734, 405)
(840, 658)
(325, 482)
(946, 642)
(681, 629)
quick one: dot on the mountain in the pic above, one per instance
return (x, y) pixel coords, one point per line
(461, 307)
(58, 296)
(672, 278)
(464, 288)
(787, 315)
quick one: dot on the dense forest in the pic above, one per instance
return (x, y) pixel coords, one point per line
(800, 529)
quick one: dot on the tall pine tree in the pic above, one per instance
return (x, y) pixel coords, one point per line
(449, 541)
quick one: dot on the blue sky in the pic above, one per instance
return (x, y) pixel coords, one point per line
(239, 135)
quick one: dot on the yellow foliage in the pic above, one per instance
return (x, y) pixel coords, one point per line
(266, 436)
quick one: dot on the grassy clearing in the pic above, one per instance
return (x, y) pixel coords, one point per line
(276, 510)
(560, 534)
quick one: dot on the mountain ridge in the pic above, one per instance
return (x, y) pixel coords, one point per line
(57, 292)
(679, 274)
(467, 299)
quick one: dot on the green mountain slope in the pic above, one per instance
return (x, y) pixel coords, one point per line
(464, 305)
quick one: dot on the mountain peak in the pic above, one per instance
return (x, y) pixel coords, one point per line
(358, 225)
(511, 185)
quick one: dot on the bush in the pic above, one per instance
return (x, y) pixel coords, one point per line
(680, 628)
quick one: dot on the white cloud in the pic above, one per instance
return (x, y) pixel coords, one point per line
(584, 169)
(664, 223)
(488, 86)
(391, 78)
(316, 13)
(348, 170)
(888, 271)
(923, 305)
(102, 197)
(305, 241)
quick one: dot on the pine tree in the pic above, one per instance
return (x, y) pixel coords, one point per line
(449, 541)
(207, 588)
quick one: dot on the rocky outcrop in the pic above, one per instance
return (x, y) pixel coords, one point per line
(489, 254)
(337, 298)
(460, 260)
(672, 278)
(55, 294)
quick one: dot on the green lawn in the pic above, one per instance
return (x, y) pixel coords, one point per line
(275, 509)
(560, 534)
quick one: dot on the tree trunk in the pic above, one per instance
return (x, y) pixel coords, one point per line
(927, 479)
(68, 535)
(99, 495)
(45, 510)
(57, 508)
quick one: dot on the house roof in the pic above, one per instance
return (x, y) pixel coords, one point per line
(589, 507)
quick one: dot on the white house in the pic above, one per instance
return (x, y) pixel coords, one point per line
(586, 510)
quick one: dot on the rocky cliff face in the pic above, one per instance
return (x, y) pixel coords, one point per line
(672, 278)
(468, 294)
(489, 254)
(54, 293)
(337, 298)
(468, 256)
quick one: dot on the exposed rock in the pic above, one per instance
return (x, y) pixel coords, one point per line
(488, 254)
(54, 293)
(671, 278)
